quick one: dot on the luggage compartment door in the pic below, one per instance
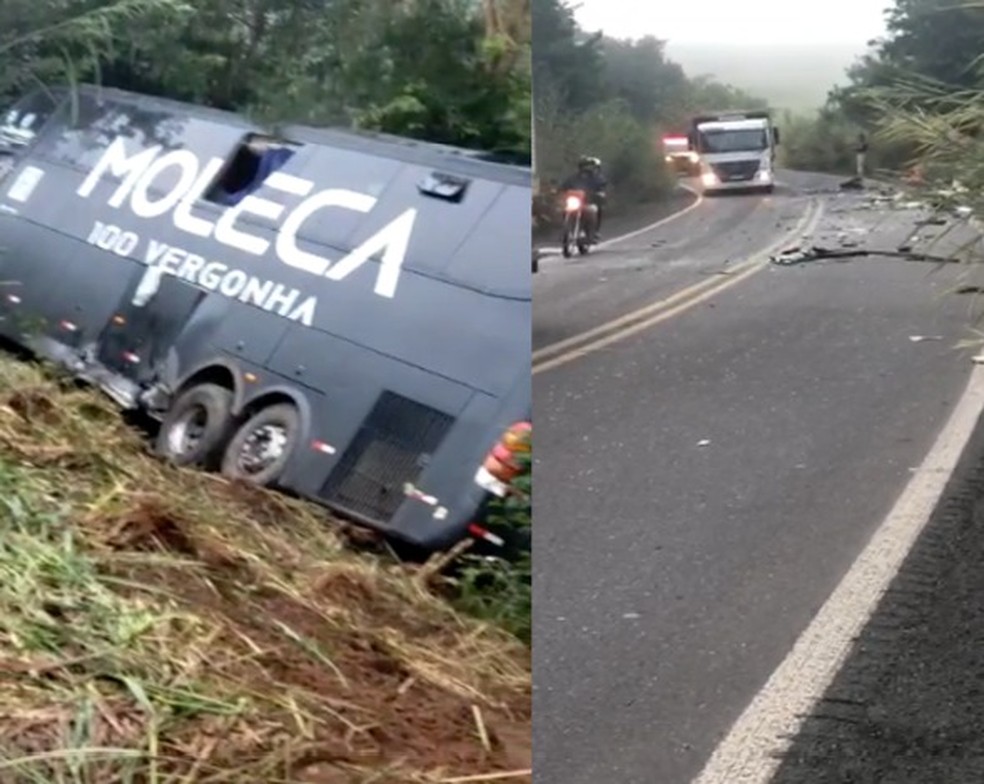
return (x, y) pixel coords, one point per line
(150, 317)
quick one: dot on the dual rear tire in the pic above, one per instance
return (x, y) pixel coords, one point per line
(200, 429)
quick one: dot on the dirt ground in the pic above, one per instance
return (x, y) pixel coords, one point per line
(332, 666)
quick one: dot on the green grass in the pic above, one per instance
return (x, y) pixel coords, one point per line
(161, 625)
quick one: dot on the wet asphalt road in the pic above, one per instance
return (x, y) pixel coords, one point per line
(672, 578)
(908, 705)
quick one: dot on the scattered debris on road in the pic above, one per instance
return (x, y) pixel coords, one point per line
(704, 442)
(924, 338)
(791, 256)
(794, 256)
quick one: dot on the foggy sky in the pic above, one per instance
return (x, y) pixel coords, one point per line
(801, 22)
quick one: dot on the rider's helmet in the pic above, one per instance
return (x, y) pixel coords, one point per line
(588, 163)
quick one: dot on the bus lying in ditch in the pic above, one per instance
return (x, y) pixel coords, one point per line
(342, 316)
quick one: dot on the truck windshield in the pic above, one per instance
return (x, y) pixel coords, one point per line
(733, 141)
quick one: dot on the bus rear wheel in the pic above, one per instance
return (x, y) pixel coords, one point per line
(260, 449)
(196, 426)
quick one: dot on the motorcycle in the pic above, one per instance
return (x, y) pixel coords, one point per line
(578, 229)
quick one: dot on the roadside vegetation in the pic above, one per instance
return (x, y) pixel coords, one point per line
(162, 625)
(917, 94)
(454, 71)
(614, 99)
(159, 624)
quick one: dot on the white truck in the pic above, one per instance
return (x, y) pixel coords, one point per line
(737, 150)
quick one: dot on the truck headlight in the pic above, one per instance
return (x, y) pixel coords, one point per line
(709, 178)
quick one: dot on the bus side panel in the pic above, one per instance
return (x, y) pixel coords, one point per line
(251, 334)
(194, 328)
(89, 286)
(352, 380)
(56, 285)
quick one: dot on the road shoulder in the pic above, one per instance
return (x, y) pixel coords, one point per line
(907, 706)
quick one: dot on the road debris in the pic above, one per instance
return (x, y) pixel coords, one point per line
(793, 256)
(704, 442)
(924, 338)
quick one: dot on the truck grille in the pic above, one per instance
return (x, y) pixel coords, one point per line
(735, 170)
(392, 448)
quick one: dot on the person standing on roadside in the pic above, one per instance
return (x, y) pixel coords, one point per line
(861, 151)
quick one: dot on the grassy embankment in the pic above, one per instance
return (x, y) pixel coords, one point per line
(163, 626)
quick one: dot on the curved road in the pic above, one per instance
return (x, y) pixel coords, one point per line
(704, 483)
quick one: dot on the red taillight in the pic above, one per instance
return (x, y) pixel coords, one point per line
(518, 438)
(501, 453)
(503, 461)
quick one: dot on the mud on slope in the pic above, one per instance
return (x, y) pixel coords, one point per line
(164, 625)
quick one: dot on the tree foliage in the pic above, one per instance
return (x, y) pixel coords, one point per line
(906, 91)
(452, 71)
(613, 99)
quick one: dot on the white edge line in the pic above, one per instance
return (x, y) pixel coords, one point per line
(751, 753)
(550, 250)
(661, 221)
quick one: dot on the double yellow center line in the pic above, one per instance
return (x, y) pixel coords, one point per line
(577, 346)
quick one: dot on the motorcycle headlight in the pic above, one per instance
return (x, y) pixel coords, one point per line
(573, 203)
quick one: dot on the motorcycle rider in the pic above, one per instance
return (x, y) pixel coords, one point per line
(590, 179)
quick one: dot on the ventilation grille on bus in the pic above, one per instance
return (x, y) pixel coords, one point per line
(391, 449)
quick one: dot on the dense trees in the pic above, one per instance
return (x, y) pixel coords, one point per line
(918, 90)
(455, 71)
(611, 98)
